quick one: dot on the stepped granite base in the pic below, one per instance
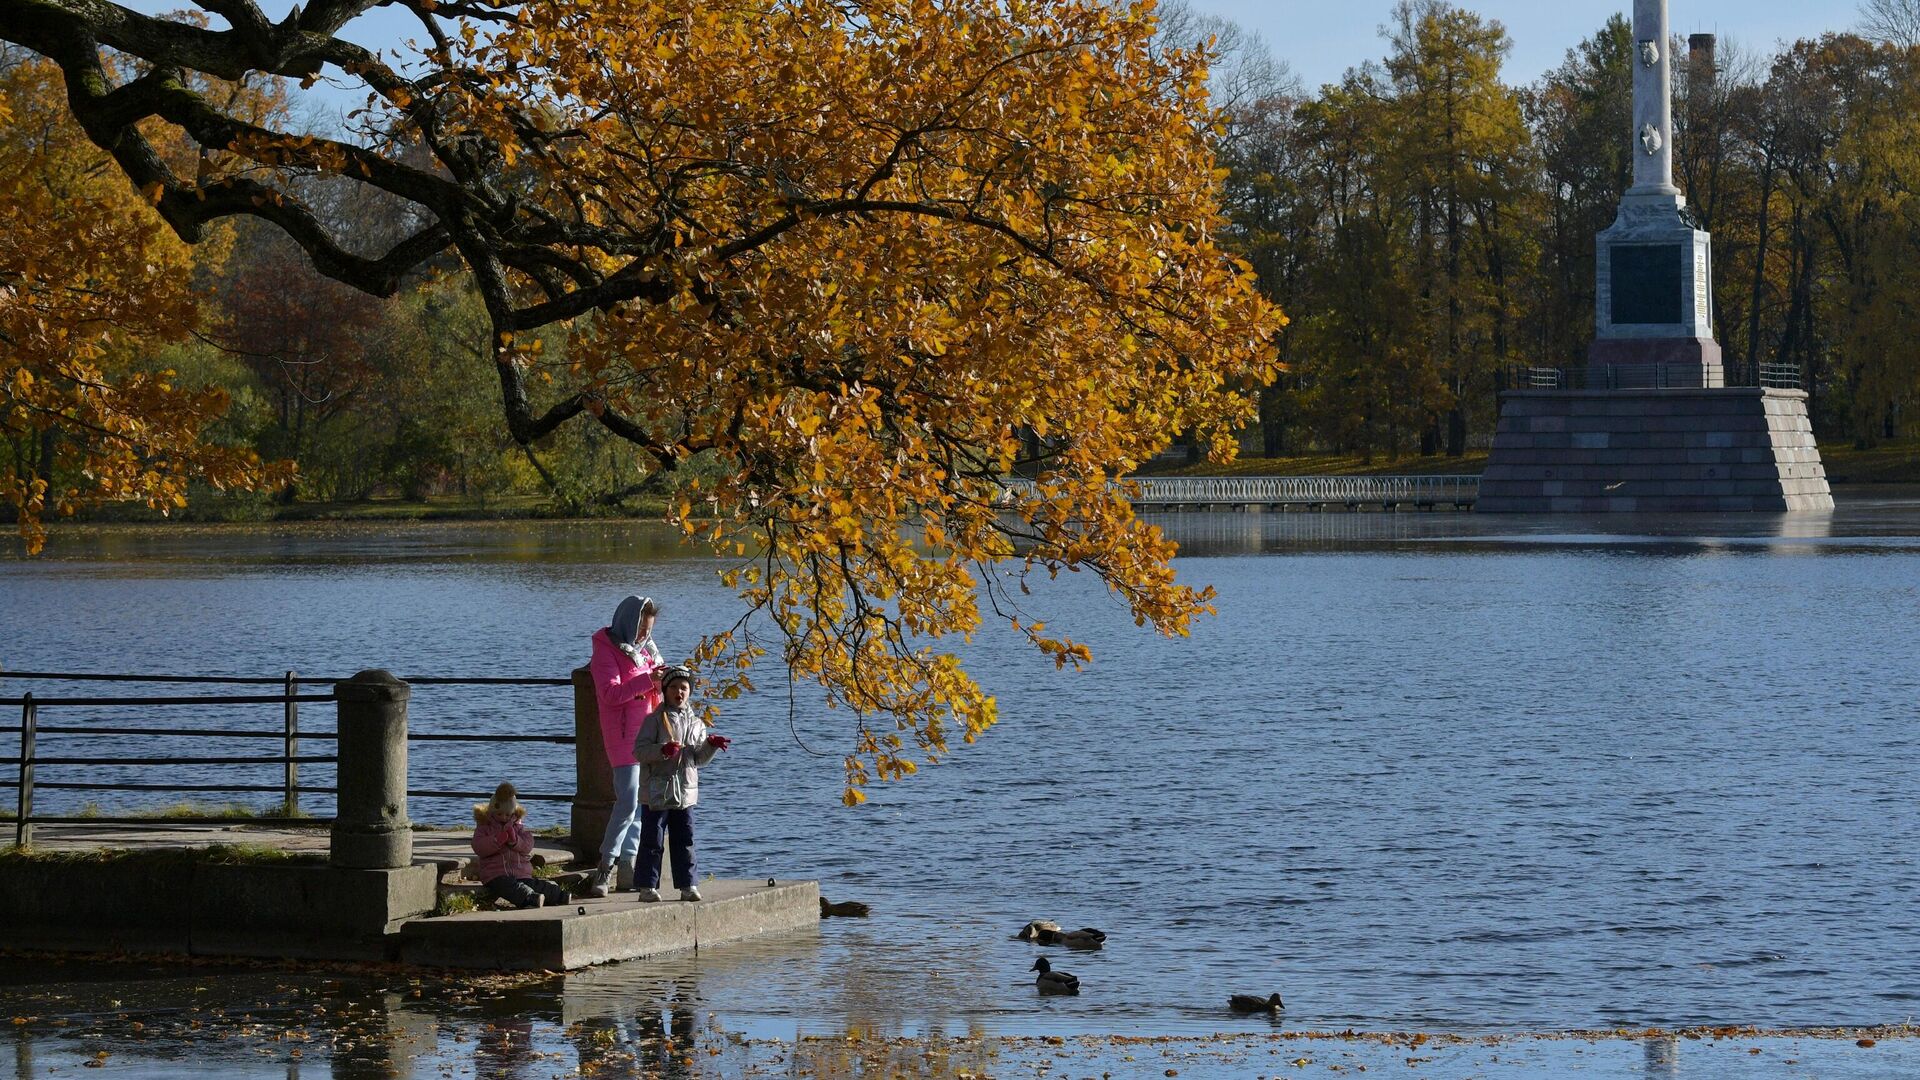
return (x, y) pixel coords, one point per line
(1654, 451)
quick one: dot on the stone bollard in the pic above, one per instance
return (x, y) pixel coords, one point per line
(370, 826)
(592, 776)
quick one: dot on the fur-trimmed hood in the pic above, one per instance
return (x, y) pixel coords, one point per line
(482, 813)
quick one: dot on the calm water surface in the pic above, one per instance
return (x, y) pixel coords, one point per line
(1421, 772)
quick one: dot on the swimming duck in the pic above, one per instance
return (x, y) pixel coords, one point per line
(1084, 938)
(1247, 1003)
(845, 909)
(1033, 930)
(1050, 981)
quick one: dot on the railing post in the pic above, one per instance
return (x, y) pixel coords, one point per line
(370, 826)
(29, 719)
(592, 775)
(290, 802)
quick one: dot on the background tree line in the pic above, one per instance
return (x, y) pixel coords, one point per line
(1430, 227)
(1427, 225)
(269, 359)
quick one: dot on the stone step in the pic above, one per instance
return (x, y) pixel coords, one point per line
(620, 927)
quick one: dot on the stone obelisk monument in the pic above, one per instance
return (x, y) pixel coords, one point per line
(1650, 424)
(1654, 317)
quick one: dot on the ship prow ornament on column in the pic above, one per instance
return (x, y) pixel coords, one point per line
(1655, 427)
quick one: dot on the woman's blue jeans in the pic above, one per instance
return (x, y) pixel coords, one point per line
(622, 839)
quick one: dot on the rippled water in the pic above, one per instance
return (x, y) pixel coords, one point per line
(1422, 772)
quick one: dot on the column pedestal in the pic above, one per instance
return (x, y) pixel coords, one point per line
(1730, 449)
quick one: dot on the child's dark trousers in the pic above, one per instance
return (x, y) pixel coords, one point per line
(678, 827)
(520, 891)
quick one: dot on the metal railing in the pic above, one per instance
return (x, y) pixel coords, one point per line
(1780, 376)
(289, 788)
(1686, 376)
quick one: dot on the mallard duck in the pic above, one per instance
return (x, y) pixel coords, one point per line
(1247, 1003)
(1050, 981)
(1033, 930)
(1084, 938)
(845, 909)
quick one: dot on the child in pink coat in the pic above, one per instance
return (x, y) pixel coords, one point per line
(505, 849)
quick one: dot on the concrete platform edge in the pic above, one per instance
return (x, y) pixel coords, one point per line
(610, 930)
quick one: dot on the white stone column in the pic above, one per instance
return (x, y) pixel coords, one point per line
(1652, 100)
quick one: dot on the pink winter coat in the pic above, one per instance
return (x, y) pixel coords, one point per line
(504, 847)
(626, 694)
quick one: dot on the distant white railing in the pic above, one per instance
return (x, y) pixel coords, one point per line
(1349, 491)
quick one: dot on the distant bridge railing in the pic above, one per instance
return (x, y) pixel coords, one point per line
(1352, 492)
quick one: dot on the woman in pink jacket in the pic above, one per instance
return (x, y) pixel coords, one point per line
(624, 660)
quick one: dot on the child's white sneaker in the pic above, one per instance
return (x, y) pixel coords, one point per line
(648, 896)
(690, 893)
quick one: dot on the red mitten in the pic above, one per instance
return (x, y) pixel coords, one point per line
(670, 751)
(719, 742)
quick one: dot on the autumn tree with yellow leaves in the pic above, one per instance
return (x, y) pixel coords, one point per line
(867, 254)
(86, 274)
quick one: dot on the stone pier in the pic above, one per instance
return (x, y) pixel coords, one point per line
(620, 927)
(1599, 451)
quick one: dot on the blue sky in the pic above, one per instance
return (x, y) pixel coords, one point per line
(1320, 40)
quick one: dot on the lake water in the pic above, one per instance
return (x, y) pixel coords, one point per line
(1423, 772)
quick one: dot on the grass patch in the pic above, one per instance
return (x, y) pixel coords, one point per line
(212, 855)
(455, 903)
(195, 810)
(1896, 461)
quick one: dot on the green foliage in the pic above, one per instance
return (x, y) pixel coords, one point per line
(1428, 226)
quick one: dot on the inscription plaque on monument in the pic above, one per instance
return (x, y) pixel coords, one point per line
(1646, 284)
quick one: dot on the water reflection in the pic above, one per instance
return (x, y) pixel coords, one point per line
(378, 1035)
(247, 1023)
(1222, 533)
(648, 1036)
(1663, 1056)
(548, 548)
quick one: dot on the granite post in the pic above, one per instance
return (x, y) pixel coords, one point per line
(370, 826)
(592, 776)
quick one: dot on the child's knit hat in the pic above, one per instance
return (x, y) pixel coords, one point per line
(671, 672)
(506, 801)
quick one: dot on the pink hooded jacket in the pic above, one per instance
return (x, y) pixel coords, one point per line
(627, 696)
(504, 847)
